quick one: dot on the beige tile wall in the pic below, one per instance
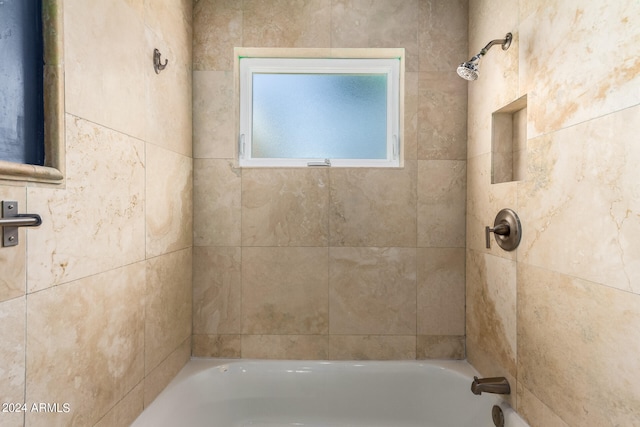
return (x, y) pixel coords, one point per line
(339, 263)
(96, 303)
(560, 315)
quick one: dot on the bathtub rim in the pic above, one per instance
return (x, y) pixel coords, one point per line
(457, 367)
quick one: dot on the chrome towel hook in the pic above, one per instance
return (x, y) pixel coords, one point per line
(157, 63)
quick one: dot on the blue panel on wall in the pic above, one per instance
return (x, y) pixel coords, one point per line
(21, 86)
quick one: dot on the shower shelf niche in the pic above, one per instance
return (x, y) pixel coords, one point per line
(509, 142)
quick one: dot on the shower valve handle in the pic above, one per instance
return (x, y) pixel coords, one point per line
(507, 229)
(502, 229)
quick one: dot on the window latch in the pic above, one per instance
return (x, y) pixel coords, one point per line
(326, 162)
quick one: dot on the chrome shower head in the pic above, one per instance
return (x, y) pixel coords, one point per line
(470, 70)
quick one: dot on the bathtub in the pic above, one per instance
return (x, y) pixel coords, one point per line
(235, 393)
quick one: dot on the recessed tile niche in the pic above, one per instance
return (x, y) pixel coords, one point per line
(509, 142)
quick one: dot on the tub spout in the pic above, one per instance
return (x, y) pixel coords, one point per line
(497, 385)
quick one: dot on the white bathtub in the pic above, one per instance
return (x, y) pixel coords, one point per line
(225, 393)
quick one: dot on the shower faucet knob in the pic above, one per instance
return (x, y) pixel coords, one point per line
(506, 229)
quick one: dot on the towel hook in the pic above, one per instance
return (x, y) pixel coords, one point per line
(157, 63)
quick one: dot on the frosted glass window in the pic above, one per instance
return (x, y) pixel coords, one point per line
(311, 112)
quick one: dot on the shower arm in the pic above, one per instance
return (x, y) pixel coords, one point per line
(505, 42)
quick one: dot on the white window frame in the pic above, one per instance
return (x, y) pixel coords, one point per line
(391, 66)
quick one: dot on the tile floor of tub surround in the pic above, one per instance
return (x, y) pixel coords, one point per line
(102, 207)
(594, 347)
(372, 291)
(12, 354)
(284, 290)
(168, 305)
(86, 345)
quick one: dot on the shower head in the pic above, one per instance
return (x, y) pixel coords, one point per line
(470, 70)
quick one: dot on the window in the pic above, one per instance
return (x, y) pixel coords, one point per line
(319, 112)
(31, 91)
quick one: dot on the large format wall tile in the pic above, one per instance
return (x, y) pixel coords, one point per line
(169, 198)
(97, 222)
(126, 411)
(86, 345)
(442, 116)
(286, 23)
(441, 291)
(594, 346)
(217, 30)
(582, 191)
(168, 305)
(373, 207)
(572, 73)
(372, 347)
(214, 131)
(441, 203)
(217, 290)
(285, 207)
(440, 347)
(484, 201)
(158, 378)
(12, 354)
(169, 93)
(372, 291)
(216, 204)
(491, 313)
(313, 347)
(284, 290)
(104, 76)
(443, 42)
(366, 23)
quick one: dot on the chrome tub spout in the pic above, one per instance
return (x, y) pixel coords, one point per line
(497, 385)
